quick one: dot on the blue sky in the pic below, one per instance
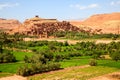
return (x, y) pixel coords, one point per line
(60, 9)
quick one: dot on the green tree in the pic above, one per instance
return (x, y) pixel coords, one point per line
(115, 55)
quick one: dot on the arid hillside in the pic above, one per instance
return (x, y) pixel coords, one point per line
(9, 24)
(109, 23)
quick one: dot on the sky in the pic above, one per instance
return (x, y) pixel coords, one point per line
(56, 9)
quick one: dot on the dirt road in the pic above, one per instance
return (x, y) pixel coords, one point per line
(70, 41)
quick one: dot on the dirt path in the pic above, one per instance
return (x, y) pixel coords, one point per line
(69, 41)
(111, 76)
(15, 77)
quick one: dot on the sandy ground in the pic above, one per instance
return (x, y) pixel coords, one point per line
(15, 77)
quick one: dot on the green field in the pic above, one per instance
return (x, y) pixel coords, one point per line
(75, 61)
(7, 69)
(104, 67)
(20, 55)
(70, 57)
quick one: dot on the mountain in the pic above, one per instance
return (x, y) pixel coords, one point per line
(109, 23)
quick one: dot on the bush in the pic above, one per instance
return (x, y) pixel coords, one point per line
(66, 43)
(24, 70)
(96, 54)
(37, 68)
(73, 54)
(35, 59)
(93, 62)
(7, 57)
(58, 57)
(115, 55)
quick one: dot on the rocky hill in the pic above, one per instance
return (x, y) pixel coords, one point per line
(9, 24)
(109, 23)
(43, 27)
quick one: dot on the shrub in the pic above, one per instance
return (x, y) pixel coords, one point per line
(35, 59)
(66, 43)
(73, 54)
(93, 62)
(24, 70)
(26, 59)
(7, 57)
(58, 57)
(96, 54)
(115, 55)
(37, 68)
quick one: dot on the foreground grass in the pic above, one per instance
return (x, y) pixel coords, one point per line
(104, 67)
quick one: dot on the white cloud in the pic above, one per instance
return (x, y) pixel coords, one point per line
(117, 2)
(78, 6)
(7, 5)
(93, 6)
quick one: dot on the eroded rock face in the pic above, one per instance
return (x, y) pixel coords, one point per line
(9, 24)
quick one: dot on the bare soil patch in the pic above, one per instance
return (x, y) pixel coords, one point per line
(15, 77)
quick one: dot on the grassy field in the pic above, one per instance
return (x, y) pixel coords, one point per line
(75, 61)
(10, 68)
(7, 69)
(75, 74)
(104, 67)
(20, 55)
